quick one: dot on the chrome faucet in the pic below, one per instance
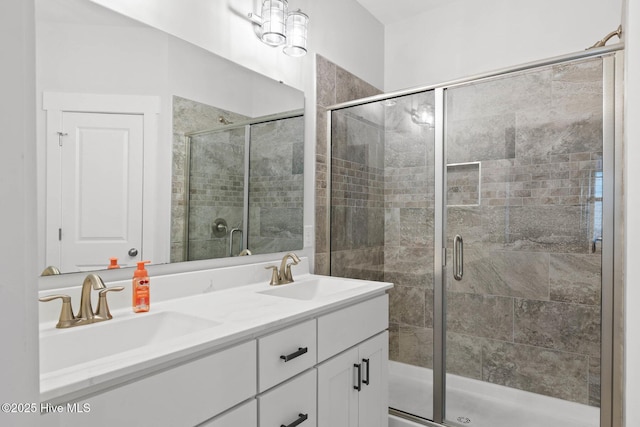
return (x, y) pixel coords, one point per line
(86, 314)
(284, 275)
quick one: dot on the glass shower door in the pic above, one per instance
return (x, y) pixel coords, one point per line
(382, 227)
(523, 168)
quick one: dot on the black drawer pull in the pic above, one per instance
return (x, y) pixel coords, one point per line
(301, 418)
(300, 352)
(359, 370)
(366, 371)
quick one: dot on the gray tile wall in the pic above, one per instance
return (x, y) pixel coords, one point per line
(333, 85)
(216, 190)
(276, 186)
(209, 182)
(527, 313)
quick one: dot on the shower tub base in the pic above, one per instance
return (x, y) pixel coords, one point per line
(476, 403)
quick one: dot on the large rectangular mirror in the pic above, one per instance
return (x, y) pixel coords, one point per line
(152, 148)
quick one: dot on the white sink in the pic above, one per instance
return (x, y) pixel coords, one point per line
(64, 348)
(314, 288)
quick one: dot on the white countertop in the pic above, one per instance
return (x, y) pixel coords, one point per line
(240, 311)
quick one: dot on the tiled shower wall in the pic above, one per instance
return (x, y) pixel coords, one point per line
(333, 85)
(410, 230)
(276, 186)
(526, 314)
(357, 194)
(216, 190)
(225, 164)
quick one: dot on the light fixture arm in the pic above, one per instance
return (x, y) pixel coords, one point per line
(256, 19)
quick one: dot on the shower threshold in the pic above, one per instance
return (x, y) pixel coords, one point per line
(480, 404)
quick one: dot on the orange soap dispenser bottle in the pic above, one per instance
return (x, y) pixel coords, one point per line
(140, 287)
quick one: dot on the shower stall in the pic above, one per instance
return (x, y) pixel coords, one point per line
(491, 203)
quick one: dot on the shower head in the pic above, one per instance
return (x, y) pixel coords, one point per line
(617, 32)
(224, 120)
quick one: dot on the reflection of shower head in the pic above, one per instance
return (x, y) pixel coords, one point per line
(224, 120)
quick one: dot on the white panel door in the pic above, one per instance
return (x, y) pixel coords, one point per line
(101, 189)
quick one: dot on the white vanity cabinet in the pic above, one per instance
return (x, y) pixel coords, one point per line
(328, 368)
(353, 385)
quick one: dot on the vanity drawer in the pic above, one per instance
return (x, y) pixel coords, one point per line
(345, 328)
(286, 353)
(244, 415)
(291, 402)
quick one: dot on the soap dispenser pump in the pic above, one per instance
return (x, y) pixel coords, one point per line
(113, 263)
(140, 287)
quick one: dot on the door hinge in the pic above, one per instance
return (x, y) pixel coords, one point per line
(60, 135)
(444, 257)
(60, 234)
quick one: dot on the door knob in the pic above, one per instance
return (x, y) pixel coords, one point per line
(133, 252)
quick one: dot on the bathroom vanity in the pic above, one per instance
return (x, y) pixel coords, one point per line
(222, 348)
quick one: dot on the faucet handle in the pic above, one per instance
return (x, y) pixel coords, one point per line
(287, 276)
(67, 319)
(102, 312)
(275, 278)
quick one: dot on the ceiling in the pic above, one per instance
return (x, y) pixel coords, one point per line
(387, 11)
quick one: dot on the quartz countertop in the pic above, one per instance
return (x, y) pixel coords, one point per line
(239, 313)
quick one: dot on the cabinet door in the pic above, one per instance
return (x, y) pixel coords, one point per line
(337, 397)
(373, 398)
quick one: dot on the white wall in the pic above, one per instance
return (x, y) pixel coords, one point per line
(462, 38)
(18, 298)
(340, 30)
(632, 189)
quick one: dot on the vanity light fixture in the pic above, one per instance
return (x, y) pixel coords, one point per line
(280, 27)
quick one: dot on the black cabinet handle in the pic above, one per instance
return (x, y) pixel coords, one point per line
(359, 370)
(300, 352)
(301, 418)
(366, 371)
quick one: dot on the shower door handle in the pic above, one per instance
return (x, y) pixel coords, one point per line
(231, 233)
(458, 257)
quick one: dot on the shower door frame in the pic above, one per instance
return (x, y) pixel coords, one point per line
(612, 328)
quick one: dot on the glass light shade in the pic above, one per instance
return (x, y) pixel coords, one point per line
(274, 13)
(297, 25)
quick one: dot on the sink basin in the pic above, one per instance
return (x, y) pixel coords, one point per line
(313, 289)
(68, 347)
